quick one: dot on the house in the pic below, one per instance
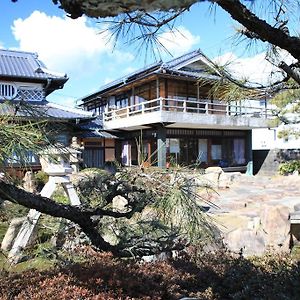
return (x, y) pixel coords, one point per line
(164, 114)
(25, 82)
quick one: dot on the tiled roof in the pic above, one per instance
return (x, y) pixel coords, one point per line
(44, 109)
(25, 64)
(91, 124)
(183, 58)
(125, 79)
(94, 129)
(97, 134)
(171, 66)
(193, 74)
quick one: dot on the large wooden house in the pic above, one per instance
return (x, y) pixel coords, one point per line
(162, 115)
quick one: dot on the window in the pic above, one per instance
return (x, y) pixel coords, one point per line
(7, 91)
(216, 152)
(122, 101)
(239, 151)
(202, 150)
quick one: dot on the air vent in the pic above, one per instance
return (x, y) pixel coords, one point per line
(8, 91)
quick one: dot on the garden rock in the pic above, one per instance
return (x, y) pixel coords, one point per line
(227, 179)
(275, 223)
(212, 175)
(119, 204)
(245, 241)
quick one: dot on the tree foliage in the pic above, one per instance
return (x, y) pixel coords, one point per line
(19, 138)
(163, 211)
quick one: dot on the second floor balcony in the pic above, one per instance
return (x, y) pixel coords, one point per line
(179, 113)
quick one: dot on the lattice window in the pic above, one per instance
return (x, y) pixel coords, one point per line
(30, 94)
(7, 91)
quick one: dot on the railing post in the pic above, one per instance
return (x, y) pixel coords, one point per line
(127, 112)
(184, 105)
(206, 108)
(160, 104)
(143, 107)
(227, 109)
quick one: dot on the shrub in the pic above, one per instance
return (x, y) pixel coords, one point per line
(289, 167)
(210, 277)
(40, 178)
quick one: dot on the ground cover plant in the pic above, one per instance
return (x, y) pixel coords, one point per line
(209, 276)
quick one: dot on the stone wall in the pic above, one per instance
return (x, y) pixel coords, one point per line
(266, 162)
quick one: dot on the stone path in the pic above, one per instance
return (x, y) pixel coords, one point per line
(248, 191)
(253, 212)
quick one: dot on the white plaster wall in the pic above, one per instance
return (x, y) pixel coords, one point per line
(263, 139)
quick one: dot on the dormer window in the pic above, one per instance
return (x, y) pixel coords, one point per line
(8, 91)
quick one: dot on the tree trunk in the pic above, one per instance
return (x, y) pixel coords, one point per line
(47, 206)
(261, 28)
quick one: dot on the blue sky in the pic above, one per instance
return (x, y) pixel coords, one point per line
(75, 47)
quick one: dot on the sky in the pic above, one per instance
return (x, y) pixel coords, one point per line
(77, 47)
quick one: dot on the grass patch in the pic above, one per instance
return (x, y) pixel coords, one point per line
(3, 229)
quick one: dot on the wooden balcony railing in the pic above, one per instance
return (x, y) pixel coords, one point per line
(188, 106)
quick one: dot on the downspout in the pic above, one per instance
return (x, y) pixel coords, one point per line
(49, 81)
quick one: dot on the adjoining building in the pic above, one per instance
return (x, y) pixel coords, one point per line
(162, 114)
(26, 82)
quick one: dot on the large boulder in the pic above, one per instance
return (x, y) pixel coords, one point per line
(254, 234)
(227, 179)
(276, 224)
(246, 241)
(212, 176)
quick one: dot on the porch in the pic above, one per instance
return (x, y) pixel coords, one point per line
(185, 113)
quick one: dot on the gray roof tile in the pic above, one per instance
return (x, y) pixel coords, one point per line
(45, 109)
(20, 64)
(171, 66)
(97, 134)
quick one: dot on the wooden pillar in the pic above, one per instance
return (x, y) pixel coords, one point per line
(132, 98)
(161, 146)
(157, 88)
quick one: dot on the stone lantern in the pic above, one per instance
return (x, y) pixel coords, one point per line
(55, 161)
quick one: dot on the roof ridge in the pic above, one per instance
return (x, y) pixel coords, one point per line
(4, 51)
(70, 109)
(122, 79)
(182, 57)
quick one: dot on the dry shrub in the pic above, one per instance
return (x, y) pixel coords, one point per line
(214, 276)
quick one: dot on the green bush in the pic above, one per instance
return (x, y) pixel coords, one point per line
(289, 167)
(40, 178)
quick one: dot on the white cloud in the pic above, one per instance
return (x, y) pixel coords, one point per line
(64, 44)
(178, 41)
(255, 69)
(74, 47)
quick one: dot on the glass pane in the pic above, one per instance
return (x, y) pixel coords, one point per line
(202, 150)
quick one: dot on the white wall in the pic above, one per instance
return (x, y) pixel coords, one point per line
(263, 139)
